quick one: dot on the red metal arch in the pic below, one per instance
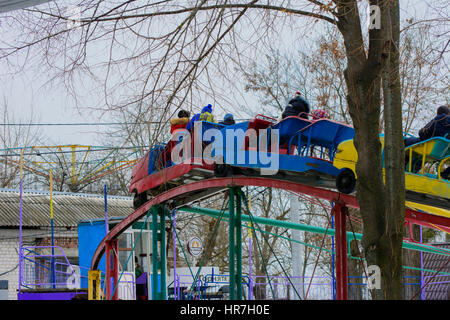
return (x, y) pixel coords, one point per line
(349, 200)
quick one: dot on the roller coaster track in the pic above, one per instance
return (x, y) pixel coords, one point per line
(187, 193)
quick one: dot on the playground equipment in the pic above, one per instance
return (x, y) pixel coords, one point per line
(308, 151)
(73, 166)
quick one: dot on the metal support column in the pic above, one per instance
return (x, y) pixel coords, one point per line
(296, 251)
(238, 231)
(235, 244)
(340, 212)
(112, 269)
(231, 243)
(108, 267)
(154, 212)
(94, 285)
(158, 253)
(162, 252)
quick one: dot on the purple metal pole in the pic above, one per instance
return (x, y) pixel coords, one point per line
(20, 221)
(106, 210)
(53, 233)
(178, 287)
(53, 257)
(250, 280)
(20, 234)
(333, 264)
(421, 266)
(250, 285)
(175, 289)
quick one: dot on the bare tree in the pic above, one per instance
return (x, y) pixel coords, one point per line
(16, 135)
(168, 54)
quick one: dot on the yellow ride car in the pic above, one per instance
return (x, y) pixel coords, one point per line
(426, 161)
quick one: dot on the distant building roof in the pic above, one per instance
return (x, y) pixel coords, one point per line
(68, 208)
(10, 5)
(438, 287)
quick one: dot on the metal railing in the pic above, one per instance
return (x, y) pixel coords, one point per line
(280, 288)
(436, 287)
(292, 288)
(358, 289)
(42, 270)
(45, 271)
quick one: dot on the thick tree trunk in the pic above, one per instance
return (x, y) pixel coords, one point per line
(382, 235)
(394, 163)
(370, 188)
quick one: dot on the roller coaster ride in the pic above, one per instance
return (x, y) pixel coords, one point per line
(311, 157)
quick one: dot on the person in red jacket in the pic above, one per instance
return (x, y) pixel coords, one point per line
(180, 122)
(176, 124)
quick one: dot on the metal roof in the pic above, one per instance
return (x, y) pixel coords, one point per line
(68, 208)
(10, 5)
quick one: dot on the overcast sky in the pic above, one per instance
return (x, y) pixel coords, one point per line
(25, 93)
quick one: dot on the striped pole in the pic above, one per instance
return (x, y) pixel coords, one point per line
(20, 222)
(53, 238)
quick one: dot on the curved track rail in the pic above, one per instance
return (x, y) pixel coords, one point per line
(184, 194)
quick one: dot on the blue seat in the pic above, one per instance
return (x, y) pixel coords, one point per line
(155, 162)
(323, 133)
(289, 126)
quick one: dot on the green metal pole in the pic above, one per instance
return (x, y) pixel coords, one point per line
(162, 248)
(265, 221)
(238, 229)
(308, 228)
(155, 295)
(231, 243)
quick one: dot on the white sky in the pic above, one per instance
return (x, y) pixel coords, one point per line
(25, 92)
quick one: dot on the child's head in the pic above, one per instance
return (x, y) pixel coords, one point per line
(183, 114)
(228, 116)
(207, 108)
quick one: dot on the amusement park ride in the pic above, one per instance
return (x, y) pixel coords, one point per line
(313, 157)
(74, 167)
